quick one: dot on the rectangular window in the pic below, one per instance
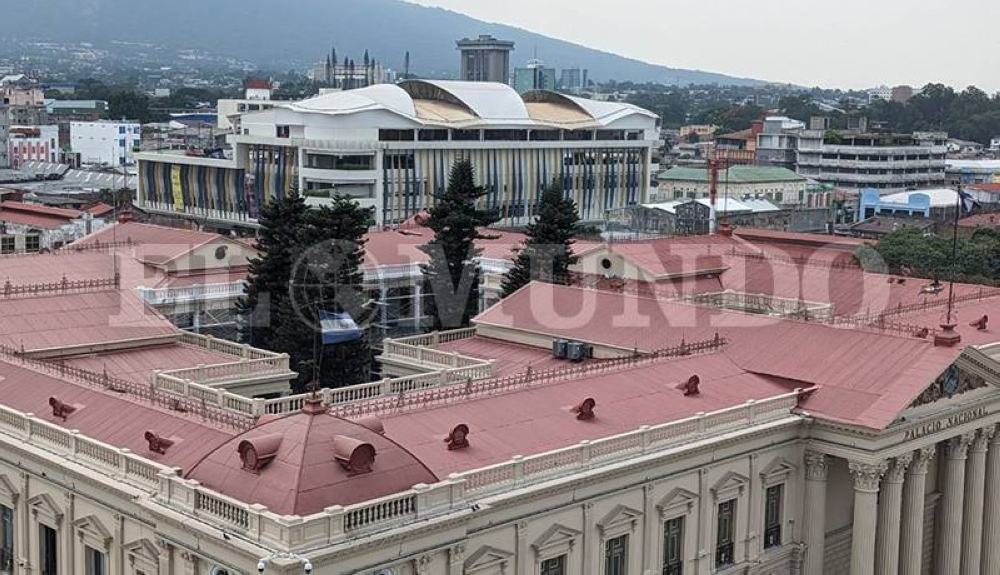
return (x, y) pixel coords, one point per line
(554, 566)
(7, 245)
(725, 536)
(6, 539)
(616, 556)
(48, 550)
(465, 135)
(32, 244)
(388, 135)
(772, 517)
(96, 561)
(673, 546)
(432, 135)
(283, 131)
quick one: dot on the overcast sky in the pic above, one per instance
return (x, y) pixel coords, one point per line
(840, 43)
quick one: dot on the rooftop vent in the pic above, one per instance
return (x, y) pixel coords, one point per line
(458, 438)
(981, 323)
(371, 423)
(922, 333)
(354, 455)
(60, 409)
(157, 444)
(585, 410)
(578, 351)
(257, 452)
(690, 386)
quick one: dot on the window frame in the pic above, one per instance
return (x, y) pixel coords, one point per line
(773, 523)
(559, 569)
(725, 548)
(675, 567)
(621, 552)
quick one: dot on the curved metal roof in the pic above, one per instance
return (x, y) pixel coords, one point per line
(376, 97)
(491, 101)
(455, 103)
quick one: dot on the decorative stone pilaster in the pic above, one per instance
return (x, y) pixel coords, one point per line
(889, 512)
(422, 565)
(814, 528)
(991, 516)
(866, 485)
(972, 515)
(912, 537)
(456, 555)
(949, 536)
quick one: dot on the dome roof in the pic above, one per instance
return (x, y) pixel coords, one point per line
(305, 462)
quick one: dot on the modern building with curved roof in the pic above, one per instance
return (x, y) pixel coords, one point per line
(391, 147)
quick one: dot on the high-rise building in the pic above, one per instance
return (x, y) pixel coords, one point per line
(485, 59)
(534, 76)
(573, 80)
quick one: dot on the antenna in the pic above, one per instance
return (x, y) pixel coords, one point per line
(948, 336)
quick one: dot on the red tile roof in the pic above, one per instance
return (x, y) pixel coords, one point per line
(531, 421)
(76, 266)
(824, 241)
(396, 247)
(511, 358)
(157, 244)
(304, 477)
(39, 221)
(63, 320)
(100, 209)
(112, 418)
(137, 364)
(40, 209)
(624, 321)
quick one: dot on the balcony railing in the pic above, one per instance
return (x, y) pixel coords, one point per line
(193, 293)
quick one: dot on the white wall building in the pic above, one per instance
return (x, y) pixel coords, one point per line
(391, 147)
(105, 141)
(32, 144)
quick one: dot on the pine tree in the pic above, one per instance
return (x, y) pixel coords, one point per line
(452, 275)
(280, 223)
(548, 252)
(326, 277)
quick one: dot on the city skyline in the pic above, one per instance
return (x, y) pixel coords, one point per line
(674, 41)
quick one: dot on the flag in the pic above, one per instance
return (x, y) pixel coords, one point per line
(338, 327)
(968, 202)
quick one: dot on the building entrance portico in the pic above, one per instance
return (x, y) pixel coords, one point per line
(923, 493)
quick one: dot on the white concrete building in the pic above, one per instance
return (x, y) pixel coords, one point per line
(391, 147)
(32, 144)
(105, 141)
(861, 453)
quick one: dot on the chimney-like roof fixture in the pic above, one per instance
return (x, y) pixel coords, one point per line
(257, 452)
(585, 409)
(458, 438)
(60, 409)
(354, 455)
(157, 444)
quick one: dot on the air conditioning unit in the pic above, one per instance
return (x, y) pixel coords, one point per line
(578, 351)
(559, 348)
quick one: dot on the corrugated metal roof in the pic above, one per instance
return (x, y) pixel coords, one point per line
(137, 364)
(539, 419)
(64, 320)
(734, 175)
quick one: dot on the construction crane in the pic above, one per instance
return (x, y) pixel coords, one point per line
(719, 160)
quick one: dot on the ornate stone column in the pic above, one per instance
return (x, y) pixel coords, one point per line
(991, 518)
(972, 516)
(949, 536)
(866, 483)
(889, 512)
(912, 540)
(814, 528)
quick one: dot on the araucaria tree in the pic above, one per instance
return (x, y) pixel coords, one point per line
(452, 275)
(280, 224)
(548, 252)
(322, 279)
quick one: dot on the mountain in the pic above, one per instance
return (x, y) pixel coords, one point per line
(300, 32)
